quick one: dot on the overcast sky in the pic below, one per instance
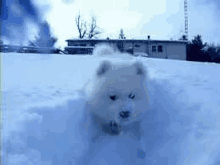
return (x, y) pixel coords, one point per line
(161, 19)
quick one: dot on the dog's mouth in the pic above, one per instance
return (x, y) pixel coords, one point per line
(112, 128)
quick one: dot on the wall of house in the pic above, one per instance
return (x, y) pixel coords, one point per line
(169, 50)
(79, 43)
(176, 51)
(158, 54)
(117, 45)
(113, 45)
(127, 45)
(137, 46)
(140, 47)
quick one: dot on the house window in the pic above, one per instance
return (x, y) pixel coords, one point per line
(153, 48)
(136, 45)
(160, 48)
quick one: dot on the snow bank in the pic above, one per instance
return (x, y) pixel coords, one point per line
(42, 113)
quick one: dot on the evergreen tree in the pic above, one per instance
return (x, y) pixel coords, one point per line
(121, 35)
(183, 38)
(44, 38)
(214, 52)
(195, 50)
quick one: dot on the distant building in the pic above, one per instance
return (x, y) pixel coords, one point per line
(27, 49)
(154, 48)
(8, 48)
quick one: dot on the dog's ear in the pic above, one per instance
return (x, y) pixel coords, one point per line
(140, 70)
(103, 68)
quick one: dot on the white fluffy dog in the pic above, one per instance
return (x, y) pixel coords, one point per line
(117, 98)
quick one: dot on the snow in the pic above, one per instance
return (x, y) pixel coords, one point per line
(42, 104)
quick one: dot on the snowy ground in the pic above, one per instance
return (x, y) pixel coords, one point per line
(41, 107)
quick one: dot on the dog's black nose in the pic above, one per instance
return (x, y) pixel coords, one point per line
(124, 114)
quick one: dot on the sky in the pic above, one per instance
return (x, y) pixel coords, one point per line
(161, 19)
(42, 110)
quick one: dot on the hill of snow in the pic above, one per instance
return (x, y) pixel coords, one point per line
(42, 105)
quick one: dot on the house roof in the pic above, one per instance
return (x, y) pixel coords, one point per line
(125, 40)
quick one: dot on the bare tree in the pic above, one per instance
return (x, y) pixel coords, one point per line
(90, 32)
(94, 29)
(81, 26)
(121, 35)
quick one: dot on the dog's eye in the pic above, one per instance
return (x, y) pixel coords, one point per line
(113, 97)
(131, 96)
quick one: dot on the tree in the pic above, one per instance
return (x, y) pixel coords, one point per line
(81, 26)
(121, 35)
(1, 42)
(198, 43)
(217, 59)
(94, 29)
(32, 43)
(183, 38)
(195, 50)
(44, 38)
(214, 52)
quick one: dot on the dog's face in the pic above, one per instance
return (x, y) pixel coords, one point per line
(120, 95)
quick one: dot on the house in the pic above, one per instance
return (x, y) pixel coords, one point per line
(154, 48)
